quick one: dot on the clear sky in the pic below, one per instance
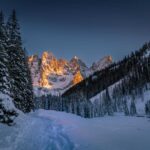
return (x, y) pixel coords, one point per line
(89, 29)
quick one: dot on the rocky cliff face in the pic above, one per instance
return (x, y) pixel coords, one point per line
(52, 75)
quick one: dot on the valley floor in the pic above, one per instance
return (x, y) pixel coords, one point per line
(51, 130)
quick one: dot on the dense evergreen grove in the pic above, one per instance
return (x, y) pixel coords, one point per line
(72, 105)
(15, 79)
(130, 77)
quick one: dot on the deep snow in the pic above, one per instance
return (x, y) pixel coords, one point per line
(51, 130)
(34, 132)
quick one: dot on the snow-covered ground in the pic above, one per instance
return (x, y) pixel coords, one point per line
(51, 130)
(34, 132)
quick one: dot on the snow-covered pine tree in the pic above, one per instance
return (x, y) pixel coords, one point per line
(28, 88)
(133, 107)
(18, 68)
(108, 103)
(147, 108)
(7, 109)
(126, 110)
(5, 85)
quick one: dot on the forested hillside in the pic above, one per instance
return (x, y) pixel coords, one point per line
(134, 70)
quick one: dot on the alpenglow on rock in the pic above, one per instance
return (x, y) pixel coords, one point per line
(52, 75)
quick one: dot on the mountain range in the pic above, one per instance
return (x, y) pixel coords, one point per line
(55, 76)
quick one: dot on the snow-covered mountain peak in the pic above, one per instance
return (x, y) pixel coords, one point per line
(75, 57)
(102, 63)
(59, 74)
(47, 57)
(78, 64)
(55, 74)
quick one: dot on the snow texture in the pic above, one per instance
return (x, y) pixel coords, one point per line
(7, 102)
(33, 132)
(51, 130)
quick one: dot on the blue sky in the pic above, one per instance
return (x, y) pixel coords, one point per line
(89, 29)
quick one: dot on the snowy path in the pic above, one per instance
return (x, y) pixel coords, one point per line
(51, 130)
(34, 133)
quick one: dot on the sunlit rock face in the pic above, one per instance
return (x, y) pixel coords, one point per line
(58, 75)
(77, 78)
(78, 65)
(55, 74)
(49, 65)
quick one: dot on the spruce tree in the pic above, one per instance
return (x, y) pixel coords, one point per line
(147, 108)
(4, 84)
(7, 109)
(126, 110)
(132, 108)
(18, 69)
(108, 103)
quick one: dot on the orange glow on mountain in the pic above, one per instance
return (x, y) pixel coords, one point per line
(77, 78)
(110, 59)
(52, 73)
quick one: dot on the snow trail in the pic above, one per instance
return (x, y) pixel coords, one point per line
(35, 133)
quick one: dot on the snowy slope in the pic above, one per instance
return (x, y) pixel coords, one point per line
(51, 130)
(140, 101)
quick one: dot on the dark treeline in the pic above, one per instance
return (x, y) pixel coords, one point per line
(15, 79)
(103, 105)
(72, 105)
